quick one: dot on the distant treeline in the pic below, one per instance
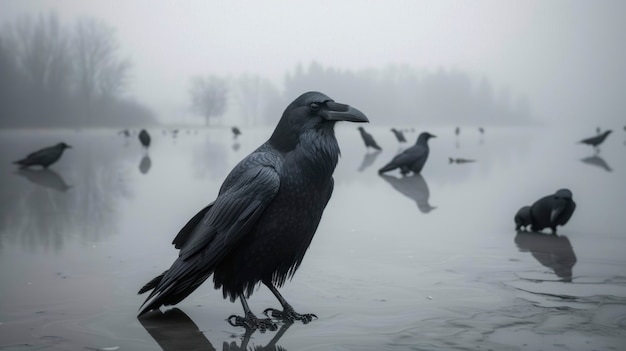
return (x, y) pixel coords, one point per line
(52, 75)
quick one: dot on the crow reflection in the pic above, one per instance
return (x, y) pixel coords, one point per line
(174, 330)
(597, 161)
(145, 164)
(368, 159)
(552, 251)
(413, 187)
(46, 178)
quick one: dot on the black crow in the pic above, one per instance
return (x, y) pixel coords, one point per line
(481, 130)
(399, 135)
(236, 132)
(44, 157)
(265, 215)
(596, 140)
(460, 160)
(368, 139)
(522, 218)
(411, 159)
(552, 210)
(457, 131)
(144, 138)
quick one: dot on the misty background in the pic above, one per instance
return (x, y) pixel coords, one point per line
(142, 63)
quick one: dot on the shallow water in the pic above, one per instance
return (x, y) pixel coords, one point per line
(428, 262)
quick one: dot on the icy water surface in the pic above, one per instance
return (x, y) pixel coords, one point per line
(429, 262)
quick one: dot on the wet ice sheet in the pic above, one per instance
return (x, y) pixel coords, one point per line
(428, 262)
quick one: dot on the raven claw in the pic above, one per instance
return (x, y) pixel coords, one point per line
(252, 322)
(290, 315)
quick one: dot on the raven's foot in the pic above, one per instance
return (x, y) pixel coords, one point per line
(252, 322)
(288, 315)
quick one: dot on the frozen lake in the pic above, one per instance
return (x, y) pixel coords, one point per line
(428, 262)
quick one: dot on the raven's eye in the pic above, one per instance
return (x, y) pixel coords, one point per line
(314, 106)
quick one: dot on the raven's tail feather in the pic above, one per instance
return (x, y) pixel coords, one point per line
(152, 284)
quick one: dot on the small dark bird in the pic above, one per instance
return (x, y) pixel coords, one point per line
(412, 159)
(596, 140)
(522, 218)
(236, 132)
(265, 215)
(368, 139)
(552, 210)
(124, 132)
(460, 160)
(481, 130)
(399, 135)
(457, 131)
(144, 138)
(44, 157)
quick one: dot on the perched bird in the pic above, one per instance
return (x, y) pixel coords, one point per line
(552, 210)
(144, 138)
(44, 157)
(236, 132)
(596, 140)
(399, 135)
(522, 218)
(481, 130)
(265, 215)
(411, 159)
(368, 139)
(460, 160)
(457, 131)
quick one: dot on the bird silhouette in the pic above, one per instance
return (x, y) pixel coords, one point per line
(236, 132)
(595, 141)
(412, 159)
(44, 157)
(399, 135)
(144, 138)
(552, 210)
(266, 213)
(368, 139)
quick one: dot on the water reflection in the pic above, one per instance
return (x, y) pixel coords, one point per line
(368, 159)
(145, 164)
(174, 330)
(552, 251)
(46, 178)
(597, 161)
(413, 187)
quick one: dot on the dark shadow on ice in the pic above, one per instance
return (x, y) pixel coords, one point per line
(174, 330)
(597, 161)
(236, 146)
(368, 159)
(46, 178)
(145, 164)
(413, 187)
(552, 251)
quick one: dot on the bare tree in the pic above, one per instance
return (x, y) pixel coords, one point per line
(254, 95)
(208, 96)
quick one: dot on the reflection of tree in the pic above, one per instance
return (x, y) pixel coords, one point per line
(413, 187)
(552, 251)
(35, 214)
(174, 330)
(209, 158)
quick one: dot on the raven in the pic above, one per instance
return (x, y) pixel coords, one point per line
(552, 210)
(368, 139)
(596, 140)
(411, 159)
(44, 157)
(236, 132)
(144, 138)
(265, 215)
(399, 135)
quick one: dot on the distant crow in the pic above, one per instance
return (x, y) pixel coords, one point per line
(460, 160)
(552, 210)
(399, 135)
(44, 157)
(457, 131)
(144, 138)
(411, 159)
(596, 140)
(236, 132)
(368, 139)
(481, 130)
(265, 215)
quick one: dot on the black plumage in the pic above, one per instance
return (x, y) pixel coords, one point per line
(596, 140)
(522, 218)
(261, 223)
(399, 135)
(236, 132)
(368, 139)
(144, 138)
(412, 159)
(552, 210)
(44, 157)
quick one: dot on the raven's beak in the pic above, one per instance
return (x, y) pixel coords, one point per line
(335, 111)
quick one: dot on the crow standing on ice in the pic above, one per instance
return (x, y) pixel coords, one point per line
(261, 223)
(236, 132)
(399, 135)
(411, 159)
(144, 138)
(552, 210)
(596, 140)
(368, 139)
(44, 157)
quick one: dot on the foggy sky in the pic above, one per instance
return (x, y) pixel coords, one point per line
(566, 56)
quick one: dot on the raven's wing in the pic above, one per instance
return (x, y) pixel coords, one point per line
(410, 155)
(36, 155)
(216, 233)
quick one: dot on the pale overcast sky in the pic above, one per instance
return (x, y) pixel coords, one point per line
(566, 56)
